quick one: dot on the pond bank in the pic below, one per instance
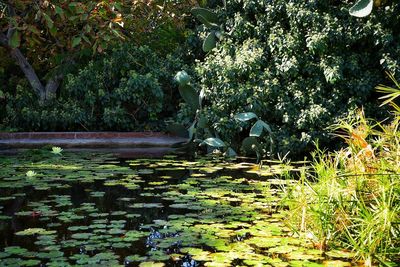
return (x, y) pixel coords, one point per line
(122, 144)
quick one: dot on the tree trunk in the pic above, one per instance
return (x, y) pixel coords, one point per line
(44, 93)
(30, 74)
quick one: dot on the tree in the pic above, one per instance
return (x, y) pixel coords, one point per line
(49, 35)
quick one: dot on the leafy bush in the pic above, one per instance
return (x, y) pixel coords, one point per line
(299, 65)
(129, 88)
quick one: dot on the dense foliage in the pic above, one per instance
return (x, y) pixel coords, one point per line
(43, 37)
(69, 36)
(130, 88)
(299, 65)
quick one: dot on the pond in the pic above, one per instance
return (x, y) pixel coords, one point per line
(86, 209)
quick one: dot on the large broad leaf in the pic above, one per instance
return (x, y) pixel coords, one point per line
(265, 126)
(190, 96)
(245, 116)
(251, 146)
(209, 25)
(178, 130)
(257, 129)
(214, 142)
(230, 153)
(362, 8)
(205, 14)
(192, 130)
(210, 42)
(182, 77)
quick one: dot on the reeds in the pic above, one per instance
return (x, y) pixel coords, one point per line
(351, 198)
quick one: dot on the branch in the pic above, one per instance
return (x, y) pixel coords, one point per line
(11, 29)
(52, 86)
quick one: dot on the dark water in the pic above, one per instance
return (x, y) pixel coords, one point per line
(94, 210)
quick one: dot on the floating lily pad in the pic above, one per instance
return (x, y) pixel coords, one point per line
(34, 231)
(340, 254)
(151, 264)
(146, 205)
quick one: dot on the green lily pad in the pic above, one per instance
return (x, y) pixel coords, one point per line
(34, 231)
(15, 250)
(151, 264)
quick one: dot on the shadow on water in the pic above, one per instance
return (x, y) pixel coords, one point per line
(93, 209)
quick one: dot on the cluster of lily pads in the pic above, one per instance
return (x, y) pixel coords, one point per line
(95, 210)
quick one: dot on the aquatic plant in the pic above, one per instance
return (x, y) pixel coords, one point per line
(30, 174)
(351, 197)
(56, 150)
(92, 209)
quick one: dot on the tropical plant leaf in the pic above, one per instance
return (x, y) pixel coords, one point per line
(192, 130)
(208, 24)
(257, 129)
(230, 153)
(204, 14)
(214, 142)
(265, 126)
(251, 146)
(190, 96)
(361, 8)
(245, 116)
(210, 42)
(182, 77)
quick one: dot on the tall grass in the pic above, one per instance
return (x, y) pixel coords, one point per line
(351, 197)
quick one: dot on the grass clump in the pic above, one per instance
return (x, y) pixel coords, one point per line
(350, 199)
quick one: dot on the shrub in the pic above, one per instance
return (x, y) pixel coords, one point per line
(128, 88)
(299, 65)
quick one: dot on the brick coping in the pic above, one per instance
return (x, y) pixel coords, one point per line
(80, 135)
(88, 139)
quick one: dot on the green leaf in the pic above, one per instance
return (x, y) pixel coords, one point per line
(209, 25)
(192, 130)
(210, 42)
(207, 15)
(59, 10)
(49, 21)
(251, 146)
(182, 77)
(265, 126)
(76, 41)
(190, 96)
(230, 153)
(15, 39)
(362, 8)
(257, 129)
(214, 142)
(245, 116)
